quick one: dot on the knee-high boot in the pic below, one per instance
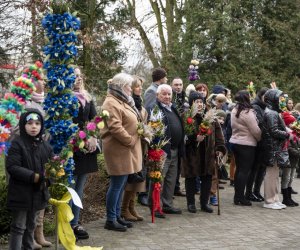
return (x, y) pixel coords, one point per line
(36, 246)
(39, 230)
(286, 198)
(125, 207)
(132, 207)
(296, 204)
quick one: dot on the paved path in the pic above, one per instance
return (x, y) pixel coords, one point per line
(236, 228)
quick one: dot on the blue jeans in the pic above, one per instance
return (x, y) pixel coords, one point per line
(21, 229)
(80, 181)
(114, 196)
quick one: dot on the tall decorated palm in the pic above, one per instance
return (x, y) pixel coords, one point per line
(61, 29)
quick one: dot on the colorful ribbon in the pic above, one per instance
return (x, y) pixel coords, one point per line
(156, 199)
(64, 229)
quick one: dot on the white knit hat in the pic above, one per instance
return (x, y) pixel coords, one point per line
(189, 88)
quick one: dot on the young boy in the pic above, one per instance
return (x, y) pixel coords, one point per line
(27, 191)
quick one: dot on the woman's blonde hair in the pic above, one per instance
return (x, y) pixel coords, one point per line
(136, 80)
(82, 89)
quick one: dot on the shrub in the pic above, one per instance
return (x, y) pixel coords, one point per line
(5, 217)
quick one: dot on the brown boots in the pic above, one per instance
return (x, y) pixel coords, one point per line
(128, 211)
(36, 246)
(38, 232)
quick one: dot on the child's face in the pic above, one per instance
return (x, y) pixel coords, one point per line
(221, 120)
(33, 127)
(199, 104)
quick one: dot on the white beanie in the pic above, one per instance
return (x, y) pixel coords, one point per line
(189, 88)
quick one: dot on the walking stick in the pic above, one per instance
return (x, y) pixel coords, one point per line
(218, 165)
(218, 193)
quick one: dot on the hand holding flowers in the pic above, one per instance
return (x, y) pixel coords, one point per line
(205, 127)
(85, 140)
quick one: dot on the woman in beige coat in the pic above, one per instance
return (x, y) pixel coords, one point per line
(128, 211)
(121, 146)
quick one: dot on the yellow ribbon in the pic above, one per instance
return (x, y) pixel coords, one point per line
(64, 229)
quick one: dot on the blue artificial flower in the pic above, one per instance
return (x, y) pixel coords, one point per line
(60, 30)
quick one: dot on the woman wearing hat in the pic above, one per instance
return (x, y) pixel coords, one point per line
(200, 154)
(121, 146)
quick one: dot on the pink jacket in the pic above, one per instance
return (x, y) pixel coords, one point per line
(245, 130)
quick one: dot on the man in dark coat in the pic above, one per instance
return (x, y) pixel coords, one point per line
(178, 98)
(175, 134)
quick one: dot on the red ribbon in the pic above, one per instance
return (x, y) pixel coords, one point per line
(156, 199)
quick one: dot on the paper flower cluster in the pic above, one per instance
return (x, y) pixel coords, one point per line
(60, 104)
(205, 127)
(156, 155)
(61, 32)
(90, 129)
(193, 71)
(13, 103)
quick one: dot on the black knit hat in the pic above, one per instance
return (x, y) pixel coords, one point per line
(158, 73)
(194, 95)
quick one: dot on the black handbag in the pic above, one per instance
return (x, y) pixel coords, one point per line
(136, 177)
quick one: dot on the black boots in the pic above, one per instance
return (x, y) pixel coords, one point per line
(287, 198)
(192, 208)
(206, 208)
(290, 192)
(115, 226)
(252, 197)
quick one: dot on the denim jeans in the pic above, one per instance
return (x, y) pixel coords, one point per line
(21, 230)
(114, 196)
(80, 181)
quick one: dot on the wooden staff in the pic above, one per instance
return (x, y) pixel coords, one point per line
(218, 165)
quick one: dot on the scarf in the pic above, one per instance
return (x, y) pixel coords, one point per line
(138, 101)
(81, 98)
(118, 92)
(38, 98)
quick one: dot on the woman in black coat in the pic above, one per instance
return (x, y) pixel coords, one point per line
(258, 171)
(85, 163)
(274, 150)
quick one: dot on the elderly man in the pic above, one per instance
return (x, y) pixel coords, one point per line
(175, 134)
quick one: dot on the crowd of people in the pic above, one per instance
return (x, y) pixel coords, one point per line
(254, 134)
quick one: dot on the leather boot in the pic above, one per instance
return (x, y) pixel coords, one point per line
(205, 193)
(125, 207)
(286, 198)
(36, 246)
(132, 207)
(290, 191)
(39, 233)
